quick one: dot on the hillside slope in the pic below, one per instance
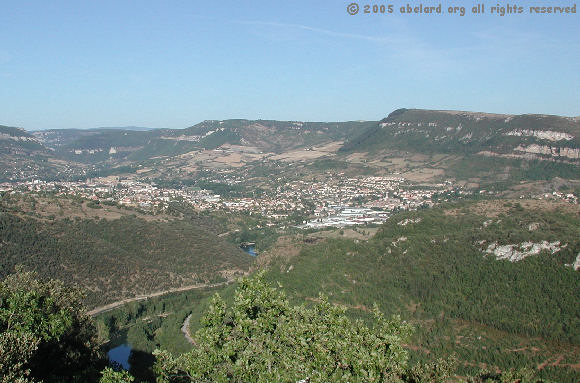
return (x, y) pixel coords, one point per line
(478, 279)
(23, 156)
(482, 150)
(525, 136)
(272, 136)
(100, 145)
(113, 146)
(115, 258)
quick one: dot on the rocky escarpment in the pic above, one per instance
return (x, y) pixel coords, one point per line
(551, 151)
(541, 137)
(4, 136)
(541, 134)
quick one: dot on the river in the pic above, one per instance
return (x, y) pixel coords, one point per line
(251, 249)
(120, 354)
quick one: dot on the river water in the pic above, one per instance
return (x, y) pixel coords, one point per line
(120, 354)
(250, 250)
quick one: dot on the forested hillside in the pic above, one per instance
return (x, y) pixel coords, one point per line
(465, 274)
(22, 156)
(116, 257)
(510, 136)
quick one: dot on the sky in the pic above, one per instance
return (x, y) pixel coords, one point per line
(172, 64)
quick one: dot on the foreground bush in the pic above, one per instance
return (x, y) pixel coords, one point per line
(45, 335)
(261, 338)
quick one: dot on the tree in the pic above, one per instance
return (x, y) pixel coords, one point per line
(45, 334)
(262, 338)
(111, 376)
(15, 350)
(522, 375)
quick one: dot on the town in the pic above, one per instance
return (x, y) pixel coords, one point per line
(335, 201)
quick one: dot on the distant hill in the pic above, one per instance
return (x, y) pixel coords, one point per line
(94, 145)
(23, 156)
(132, 128)
(112, 145)
(482, 150)
(269, 135)
(18, 139)
(494, 136)
(479, 149)
(527, 136)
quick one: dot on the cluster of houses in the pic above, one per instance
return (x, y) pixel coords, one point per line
(336, 200)
(125, 192)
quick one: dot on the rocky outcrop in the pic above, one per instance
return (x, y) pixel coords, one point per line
(541, 134)
(576, 264)
(4, 136)
(526, 156)
(407, 221)
(517, 252)
(552, 151)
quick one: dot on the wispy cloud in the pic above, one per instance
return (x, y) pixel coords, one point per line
(326, 32)
(402, 48)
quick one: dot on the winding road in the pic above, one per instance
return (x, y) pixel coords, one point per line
(114, 305)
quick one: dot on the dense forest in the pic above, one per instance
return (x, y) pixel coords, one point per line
(46, 336)
(431, 268)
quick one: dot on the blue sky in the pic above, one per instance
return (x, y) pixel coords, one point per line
(85, 64)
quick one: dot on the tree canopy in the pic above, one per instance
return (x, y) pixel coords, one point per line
(45, 334)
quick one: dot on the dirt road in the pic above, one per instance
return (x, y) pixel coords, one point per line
(114, 305)
(185, 330)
